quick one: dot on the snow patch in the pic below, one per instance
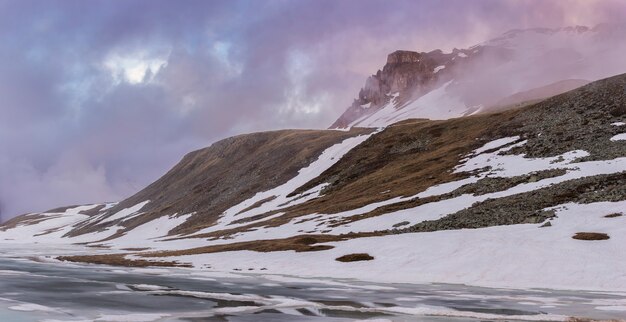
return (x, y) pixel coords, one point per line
(126, 213)
(496, 144)
(619, 137)
(438, 104)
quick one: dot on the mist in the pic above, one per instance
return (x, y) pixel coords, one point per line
(532, 59)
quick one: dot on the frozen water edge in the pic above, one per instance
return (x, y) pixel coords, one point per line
(180, 294)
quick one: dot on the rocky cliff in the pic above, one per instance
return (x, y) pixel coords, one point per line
(404, 73)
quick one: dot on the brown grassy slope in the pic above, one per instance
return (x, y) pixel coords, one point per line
(211, 180)
(403, 160)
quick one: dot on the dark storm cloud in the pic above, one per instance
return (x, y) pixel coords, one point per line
(98, 98)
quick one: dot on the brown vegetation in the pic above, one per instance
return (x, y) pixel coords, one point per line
(119, 260)
(591, 236)
(302, 243)
(355, 257)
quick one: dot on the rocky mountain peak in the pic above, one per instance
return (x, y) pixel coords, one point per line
(403, 56)
(405, 73)
(442, 85)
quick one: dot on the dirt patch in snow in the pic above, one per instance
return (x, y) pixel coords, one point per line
(591, 236)
(355, 258)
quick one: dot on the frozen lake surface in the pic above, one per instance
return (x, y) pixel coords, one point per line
(43, 291)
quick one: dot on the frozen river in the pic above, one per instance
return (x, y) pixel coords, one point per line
(43, 291)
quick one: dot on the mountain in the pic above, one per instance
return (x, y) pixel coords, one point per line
(487, 76)
(528, 197)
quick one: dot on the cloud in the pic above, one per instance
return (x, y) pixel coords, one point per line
(98, 98)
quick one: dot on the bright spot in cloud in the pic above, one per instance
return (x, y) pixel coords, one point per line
(134, 68)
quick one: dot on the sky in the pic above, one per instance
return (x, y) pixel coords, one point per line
(100, 98)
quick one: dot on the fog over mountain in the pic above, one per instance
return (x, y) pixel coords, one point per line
(99, 99)
(517, 66)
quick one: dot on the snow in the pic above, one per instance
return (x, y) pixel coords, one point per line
(503, 256)
(366, 106)
(139, 317)
(462, 55)
(612, 308)
(618, 124)
(438, 68)
(49, 230)
(496, 144)
(30, 307)
(438, 104)
(619, 137)
(126, 213)
(149, 234)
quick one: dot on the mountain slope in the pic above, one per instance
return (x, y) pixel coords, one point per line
(209, 181)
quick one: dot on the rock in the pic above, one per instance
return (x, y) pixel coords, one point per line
(355, 258)
(400, 224)
(403, 56)
(547, 224)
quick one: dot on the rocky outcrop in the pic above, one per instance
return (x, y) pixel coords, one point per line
(405, 74)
